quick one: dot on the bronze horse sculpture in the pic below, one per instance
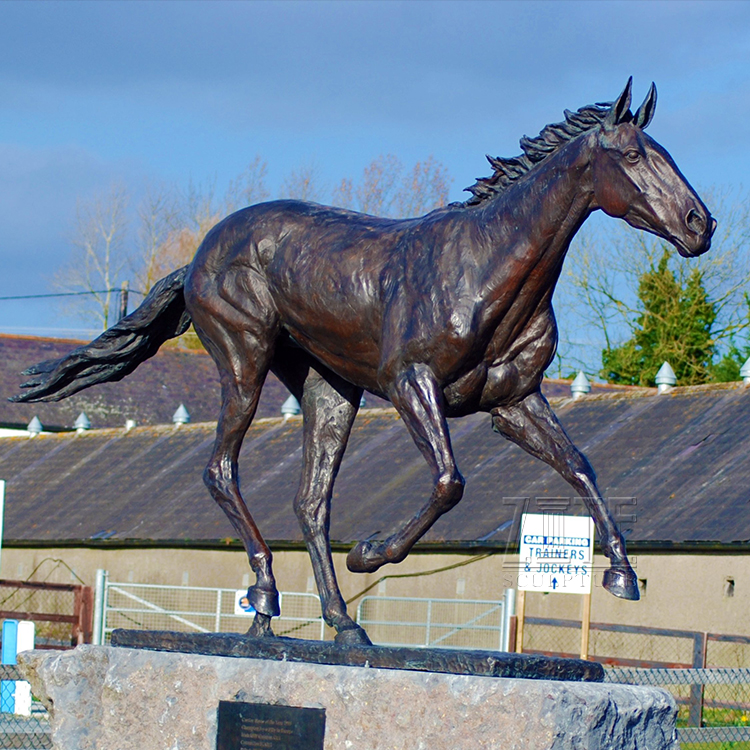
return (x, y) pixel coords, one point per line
(444, 315)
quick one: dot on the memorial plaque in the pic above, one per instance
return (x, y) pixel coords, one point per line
(261, 726)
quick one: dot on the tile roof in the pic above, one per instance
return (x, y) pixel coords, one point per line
(151, 394)
(675, 467)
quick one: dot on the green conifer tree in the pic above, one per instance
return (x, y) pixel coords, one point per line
(674, 324)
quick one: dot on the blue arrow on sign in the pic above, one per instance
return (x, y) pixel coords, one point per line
(554, 583)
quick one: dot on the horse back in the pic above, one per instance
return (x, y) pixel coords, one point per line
(325, 273)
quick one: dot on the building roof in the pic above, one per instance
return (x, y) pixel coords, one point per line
(150, 395)
(675, 468)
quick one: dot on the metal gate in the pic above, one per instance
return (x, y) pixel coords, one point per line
(391, 621)
(142, 606)
(437, 623)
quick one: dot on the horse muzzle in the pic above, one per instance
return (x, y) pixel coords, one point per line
(700, 229)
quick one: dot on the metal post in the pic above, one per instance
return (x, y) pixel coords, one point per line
(323, 622)
(124, 299)
(217, 622)
(100, 606)
(585, 626)
(509, 610)
(2, 511)
(429, 618)
(695, 705)
(521, 606)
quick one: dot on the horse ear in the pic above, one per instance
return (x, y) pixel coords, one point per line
(620, 110)
(645, 112)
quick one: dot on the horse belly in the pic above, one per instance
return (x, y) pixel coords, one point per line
(519, 373)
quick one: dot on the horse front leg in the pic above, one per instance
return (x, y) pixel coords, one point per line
(533, 426)
(419, 401)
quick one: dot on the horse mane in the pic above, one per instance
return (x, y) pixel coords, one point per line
(549, 141)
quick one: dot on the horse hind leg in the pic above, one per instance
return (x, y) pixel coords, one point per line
(243, 366)
(329, 406)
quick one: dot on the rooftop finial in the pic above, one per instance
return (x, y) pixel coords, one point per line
(181, 416)
(82, 422)
(665, 378)
(290, 407)
(580, 386)
(34, 427)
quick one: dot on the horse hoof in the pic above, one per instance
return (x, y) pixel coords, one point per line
(263, 601)
(621, 582)
(353, 636)
(357, 560)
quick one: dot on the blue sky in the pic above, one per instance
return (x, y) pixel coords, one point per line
(96, 93)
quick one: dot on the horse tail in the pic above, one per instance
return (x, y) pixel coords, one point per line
(119, 350)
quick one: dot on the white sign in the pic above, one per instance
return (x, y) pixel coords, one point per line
(25, 642)
(555, 553)
(241, 604)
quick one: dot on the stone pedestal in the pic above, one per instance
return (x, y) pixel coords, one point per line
(131, 699)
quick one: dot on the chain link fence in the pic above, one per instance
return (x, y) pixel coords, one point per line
(30, 732)
(621, 645)
(62, 616)
(707, 673)
(713, 704)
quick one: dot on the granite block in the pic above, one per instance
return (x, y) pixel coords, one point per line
(131, 699)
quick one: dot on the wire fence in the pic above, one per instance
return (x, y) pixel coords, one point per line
(713, 704)
(638, 646)
(25, 732)
(708, 674)
(62, 612)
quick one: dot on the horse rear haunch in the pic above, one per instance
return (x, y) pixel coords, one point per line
(119, 350)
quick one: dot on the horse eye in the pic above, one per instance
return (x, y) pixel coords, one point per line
(633, 155)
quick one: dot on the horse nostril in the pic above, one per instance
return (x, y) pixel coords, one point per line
(695, 221)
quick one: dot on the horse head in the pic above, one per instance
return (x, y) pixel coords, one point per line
(635, 179)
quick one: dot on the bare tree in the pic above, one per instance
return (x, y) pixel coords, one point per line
(250, 187)
(171, 223)
(303, 184)
(385, 189)
(376, 192)
(343, 194)
(424, 188)
(158, 218)
(98, 258)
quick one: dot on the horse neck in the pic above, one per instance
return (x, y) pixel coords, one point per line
(531, 225)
